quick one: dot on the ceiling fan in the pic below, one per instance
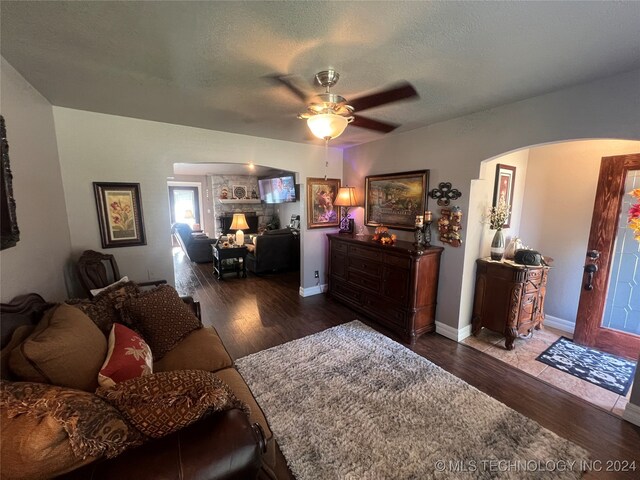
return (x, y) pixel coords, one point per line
(328, 114)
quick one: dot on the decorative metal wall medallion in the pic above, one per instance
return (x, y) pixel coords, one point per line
(445, 193)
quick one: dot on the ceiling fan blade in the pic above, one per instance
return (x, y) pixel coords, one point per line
(364, 122)
(296, 84)
(396, 93)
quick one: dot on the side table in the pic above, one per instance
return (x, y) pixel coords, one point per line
(509, 299)
(231, 253)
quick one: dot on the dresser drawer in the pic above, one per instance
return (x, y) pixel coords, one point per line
(397, 261)
(364, 252)
(384, 310)
(338, 246)
(341, 289)
(338, 264)
(365, 265)
(358, 278)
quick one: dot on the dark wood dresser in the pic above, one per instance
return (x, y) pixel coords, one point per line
(509, 298)
(395, 285)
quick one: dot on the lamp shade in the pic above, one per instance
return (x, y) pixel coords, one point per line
(188, 214)
(239, 222)
(346, 197)
(327, 125)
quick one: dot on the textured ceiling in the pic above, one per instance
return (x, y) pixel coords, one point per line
(202, 63)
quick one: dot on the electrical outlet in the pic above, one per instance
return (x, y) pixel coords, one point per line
(316, 274)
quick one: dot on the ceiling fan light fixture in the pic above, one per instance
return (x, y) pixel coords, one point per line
(327, 126)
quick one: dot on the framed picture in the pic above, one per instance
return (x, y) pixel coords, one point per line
(239, 192)
(119, 214)
(321, 193)
(394, 200)
(503, 188)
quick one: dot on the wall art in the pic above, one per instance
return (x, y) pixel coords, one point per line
(394, 200)
(321, 193)
(119, 214)
(503, 188)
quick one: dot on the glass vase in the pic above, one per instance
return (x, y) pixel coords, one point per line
(497, 246)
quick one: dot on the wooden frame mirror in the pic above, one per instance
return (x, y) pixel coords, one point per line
(8, 222)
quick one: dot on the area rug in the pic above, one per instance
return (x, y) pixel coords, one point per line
(349, 403)
(602, 369)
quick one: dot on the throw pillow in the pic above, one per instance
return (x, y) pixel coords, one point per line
(96, 291)
(66, 348)
(165, 402)
(162, 318)
(105, 308)
(47, 430)
(128, 356)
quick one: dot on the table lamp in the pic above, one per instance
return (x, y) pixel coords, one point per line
(239, 223)
(346, 198)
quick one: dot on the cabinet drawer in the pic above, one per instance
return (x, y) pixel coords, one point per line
(360, 279)
(364, 252)
(339, 246)
(535, 276)
(341, 289)
(383, 310)
(338, 264)
(365, 265)
(397, 261)
(527, 307)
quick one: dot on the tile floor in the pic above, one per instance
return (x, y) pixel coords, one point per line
(523, 357)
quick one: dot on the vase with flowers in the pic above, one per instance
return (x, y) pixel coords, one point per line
(634, 214)
(496, 218)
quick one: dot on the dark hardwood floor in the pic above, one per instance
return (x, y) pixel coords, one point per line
(256, 313)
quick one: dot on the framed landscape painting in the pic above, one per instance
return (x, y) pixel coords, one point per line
(394, 200)
(119, 214)
(503, 188)
(321, 193)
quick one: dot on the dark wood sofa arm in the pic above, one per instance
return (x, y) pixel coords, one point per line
(195, 306)
(222, 446)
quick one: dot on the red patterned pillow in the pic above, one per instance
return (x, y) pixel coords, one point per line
(128, 357)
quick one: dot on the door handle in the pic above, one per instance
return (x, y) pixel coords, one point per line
(590, 269)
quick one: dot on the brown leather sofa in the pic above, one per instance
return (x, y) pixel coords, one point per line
(225, 445)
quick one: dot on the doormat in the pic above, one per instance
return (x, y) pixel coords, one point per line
(602, 369)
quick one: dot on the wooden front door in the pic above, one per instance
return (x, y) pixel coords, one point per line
(609, 223)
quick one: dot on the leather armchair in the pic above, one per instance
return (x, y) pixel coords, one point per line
(276, 250)
(198, 249)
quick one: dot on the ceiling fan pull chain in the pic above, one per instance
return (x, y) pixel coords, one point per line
(326, 157)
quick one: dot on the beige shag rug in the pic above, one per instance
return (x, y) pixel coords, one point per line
(349, 403)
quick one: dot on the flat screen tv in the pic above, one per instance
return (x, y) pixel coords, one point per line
(278, 189)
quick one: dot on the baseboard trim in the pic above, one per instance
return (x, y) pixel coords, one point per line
(632, 413)
(559, 324)
(455, 334)
(315, 290)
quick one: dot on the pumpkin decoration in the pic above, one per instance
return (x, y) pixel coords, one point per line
(383, 236)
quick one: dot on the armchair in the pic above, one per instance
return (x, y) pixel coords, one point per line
(198, 249)
(99, 270)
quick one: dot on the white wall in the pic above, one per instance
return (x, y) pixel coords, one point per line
(98, 147)
(558, 206)
(37, 263)
(453, 151)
